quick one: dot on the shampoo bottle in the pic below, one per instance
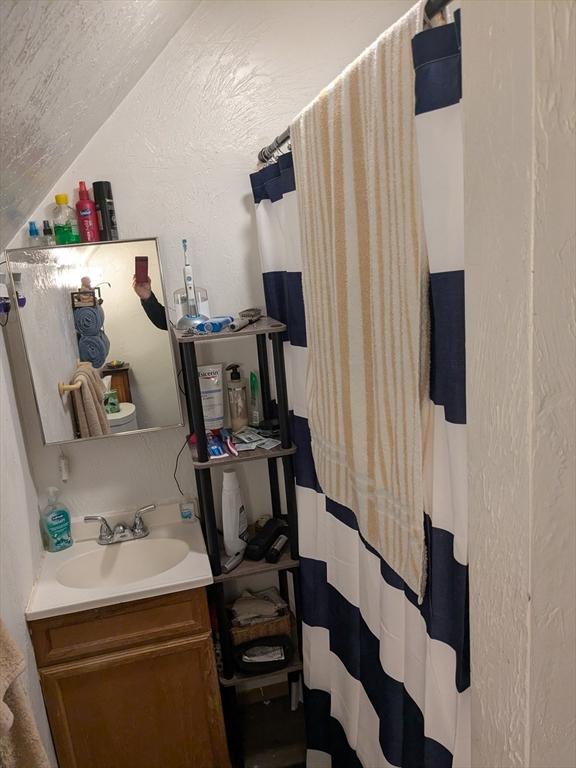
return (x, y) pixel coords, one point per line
(237, 399)
(87, 218)
(55, 519)
(234, 519)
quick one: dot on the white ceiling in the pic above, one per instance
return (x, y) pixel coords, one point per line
(65, 65)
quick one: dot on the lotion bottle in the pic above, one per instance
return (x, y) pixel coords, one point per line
(237, 399)
(55, 519)
(234, 519)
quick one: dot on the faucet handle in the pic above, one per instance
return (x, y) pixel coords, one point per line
(106, 533)
(138, 526)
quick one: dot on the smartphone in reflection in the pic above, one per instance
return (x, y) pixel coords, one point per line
(141, 269)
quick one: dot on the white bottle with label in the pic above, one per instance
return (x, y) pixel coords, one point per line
(234, 519)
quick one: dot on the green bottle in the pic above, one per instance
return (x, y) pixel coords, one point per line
(65, 224)
(55, 520)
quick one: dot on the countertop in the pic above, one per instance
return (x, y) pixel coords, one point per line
(49, 597)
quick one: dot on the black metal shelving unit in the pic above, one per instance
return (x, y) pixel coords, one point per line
(203, 465)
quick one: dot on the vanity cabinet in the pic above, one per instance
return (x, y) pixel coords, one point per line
(133, 685)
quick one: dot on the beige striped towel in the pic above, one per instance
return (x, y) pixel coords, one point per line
(89, 402)
(365, 284)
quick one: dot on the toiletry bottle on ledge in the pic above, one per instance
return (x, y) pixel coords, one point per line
(33, 234)
(47, 233)
(87, 218)
(234, 518)
(105, 211)
(237, 398)
(65, 226)
(55, 520)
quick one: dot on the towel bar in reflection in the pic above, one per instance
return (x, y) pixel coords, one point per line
(63, 388)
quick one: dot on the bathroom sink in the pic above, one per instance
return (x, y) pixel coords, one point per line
(123, 563)
(89, 575)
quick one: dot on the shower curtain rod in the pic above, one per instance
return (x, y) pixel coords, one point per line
(432, 8)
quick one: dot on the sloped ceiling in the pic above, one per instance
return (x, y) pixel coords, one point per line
(65, 65)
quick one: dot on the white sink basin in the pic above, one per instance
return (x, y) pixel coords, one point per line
(89, 575)
(123, 563)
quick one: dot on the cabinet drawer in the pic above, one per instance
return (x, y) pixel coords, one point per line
(117, 627)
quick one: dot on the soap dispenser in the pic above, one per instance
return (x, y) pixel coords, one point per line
(237, 398)
(55, 519)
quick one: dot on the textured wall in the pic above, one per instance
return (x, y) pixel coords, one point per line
(20, 546)
(519, 239)
(178, 151)
(553, 565)
(64, 67)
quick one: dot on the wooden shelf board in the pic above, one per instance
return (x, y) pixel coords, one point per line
(255, 455)
(255, 567)
(264, 325)
(239, 677)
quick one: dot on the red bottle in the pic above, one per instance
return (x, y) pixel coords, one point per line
(86, 215)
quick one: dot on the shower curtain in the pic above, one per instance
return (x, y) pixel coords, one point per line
(386, 679)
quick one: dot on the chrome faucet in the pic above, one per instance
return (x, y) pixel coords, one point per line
(121, 531)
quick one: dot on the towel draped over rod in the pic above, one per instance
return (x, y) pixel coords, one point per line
(433, 7)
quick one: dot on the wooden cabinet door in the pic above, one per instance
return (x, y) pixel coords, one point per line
(150, 707)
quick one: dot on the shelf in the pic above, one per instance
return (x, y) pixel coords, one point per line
(264, 325)
(240, 677)
(255, 567)
(255, 455)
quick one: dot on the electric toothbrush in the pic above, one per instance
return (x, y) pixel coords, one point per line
(189, 282)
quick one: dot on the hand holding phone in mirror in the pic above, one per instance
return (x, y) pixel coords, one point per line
(142, 290)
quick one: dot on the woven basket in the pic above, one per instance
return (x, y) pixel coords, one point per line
(279, 625)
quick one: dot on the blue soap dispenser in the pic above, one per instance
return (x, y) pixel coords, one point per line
(55, 520)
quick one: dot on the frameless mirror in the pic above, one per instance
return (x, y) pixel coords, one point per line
(101, 362)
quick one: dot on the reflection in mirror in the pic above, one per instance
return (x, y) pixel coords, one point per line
(100, 358)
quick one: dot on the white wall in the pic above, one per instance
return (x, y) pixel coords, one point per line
(64, 67)
(178, 151)
(518, 60)
(20, 545)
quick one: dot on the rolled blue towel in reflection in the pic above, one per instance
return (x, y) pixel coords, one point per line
(89, 320)
(94, 349)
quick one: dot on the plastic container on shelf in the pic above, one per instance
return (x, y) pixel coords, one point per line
(64, 219)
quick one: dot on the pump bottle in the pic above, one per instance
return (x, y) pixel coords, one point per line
(237, 399)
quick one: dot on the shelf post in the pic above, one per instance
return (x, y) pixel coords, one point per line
(192, 386)
(206, 499)
(267, 413)
(264, 374)
(281, 389)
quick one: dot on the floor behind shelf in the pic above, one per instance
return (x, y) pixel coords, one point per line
(274, 736)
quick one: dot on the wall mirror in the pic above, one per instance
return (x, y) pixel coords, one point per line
(98, 365)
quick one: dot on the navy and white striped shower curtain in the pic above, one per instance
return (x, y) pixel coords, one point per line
(386, 679)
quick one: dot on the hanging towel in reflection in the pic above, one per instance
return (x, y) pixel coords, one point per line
(89, 401)
(89, 320)
(365, 282)
(94, 349)
(20, 743)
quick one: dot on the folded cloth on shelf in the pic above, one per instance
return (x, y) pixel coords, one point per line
(252, 607)
(89, 402)
(94, 349)
(89, 320)
(20, 743)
